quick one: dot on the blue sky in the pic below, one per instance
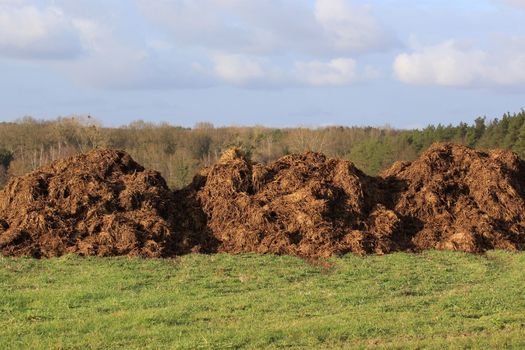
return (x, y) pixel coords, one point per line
(267, 62)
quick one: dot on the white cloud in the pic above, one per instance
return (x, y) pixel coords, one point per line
(251, 71)
(32, 33)
(453, 64)
(181, 43)
(115, 64)
(340, 71)
(331, 27)
(195, 23)
(91, 49)
(443, 64)
(349, 27)
(237, 69)
(261, 43)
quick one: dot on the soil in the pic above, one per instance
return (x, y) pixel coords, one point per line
(103, 203)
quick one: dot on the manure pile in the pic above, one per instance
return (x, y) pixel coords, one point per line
(100, 203)
(308, 205)
(461, 199)
(305, 205)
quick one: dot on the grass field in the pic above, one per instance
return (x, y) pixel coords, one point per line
(432, 300)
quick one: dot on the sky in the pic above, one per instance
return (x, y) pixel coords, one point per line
(278, 63)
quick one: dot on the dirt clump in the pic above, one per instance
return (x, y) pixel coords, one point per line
(305, 205)
(99, 203)
(457, 198)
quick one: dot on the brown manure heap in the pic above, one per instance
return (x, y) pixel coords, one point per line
(100, 203)
(308, 205)
(458, 198)
(305, 205)
(452, 197)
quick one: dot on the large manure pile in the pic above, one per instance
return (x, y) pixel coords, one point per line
(103, 203)
(100, 203)
(305, 205)
(461, 199)
(452, 197)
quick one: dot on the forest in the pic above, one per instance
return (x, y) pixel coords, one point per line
(178, 152)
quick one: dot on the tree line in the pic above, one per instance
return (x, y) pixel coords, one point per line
(179, 152)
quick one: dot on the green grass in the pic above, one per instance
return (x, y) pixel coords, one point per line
(433, 300)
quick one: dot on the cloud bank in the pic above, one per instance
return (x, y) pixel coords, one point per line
(28, 32)
(163, 44)
(451, 63)
(201, 43)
